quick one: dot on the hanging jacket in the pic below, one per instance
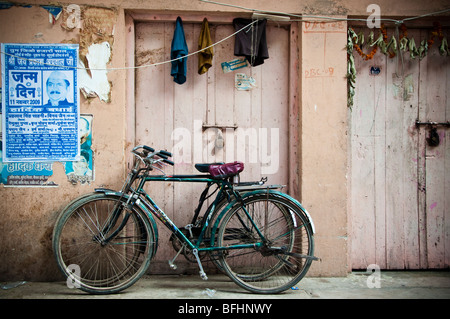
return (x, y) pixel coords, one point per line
(179, 48)
(204, 41)
(251, 42)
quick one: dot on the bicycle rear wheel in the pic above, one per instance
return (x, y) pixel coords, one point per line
(280, 260)
(105, 265)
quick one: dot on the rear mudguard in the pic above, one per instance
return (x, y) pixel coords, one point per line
(115, 194)
(258, 192)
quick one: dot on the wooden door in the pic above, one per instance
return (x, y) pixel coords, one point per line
(207, 119)
(400, 185)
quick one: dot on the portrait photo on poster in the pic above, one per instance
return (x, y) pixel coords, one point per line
(58, 92)
(82, 171)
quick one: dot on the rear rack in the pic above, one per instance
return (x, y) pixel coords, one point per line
(256, 187)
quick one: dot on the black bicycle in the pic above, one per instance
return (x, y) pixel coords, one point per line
(260, 237)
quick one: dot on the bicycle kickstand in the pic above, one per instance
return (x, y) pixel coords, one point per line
(172, 262)
(202, 273)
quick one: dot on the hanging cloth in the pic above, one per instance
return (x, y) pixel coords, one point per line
(251, 42)
(179, 48)
(204, 41)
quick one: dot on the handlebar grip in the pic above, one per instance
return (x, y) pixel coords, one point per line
(168, 162)
(165, 153)
(148, 148)
(162, 155)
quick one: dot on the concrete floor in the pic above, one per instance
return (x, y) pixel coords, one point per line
(357, 285)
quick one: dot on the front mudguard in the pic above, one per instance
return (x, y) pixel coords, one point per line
(139, 204)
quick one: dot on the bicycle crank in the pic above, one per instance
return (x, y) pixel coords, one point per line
(202, 273)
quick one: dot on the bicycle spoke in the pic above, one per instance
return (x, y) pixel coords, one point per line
(276, 262)
(105, 266)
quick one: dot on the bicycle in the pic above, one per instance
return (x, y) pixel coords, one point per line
(260, 237)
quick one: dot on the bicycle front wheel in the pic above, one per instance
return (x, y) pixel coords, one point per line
(108, 245)
(270, 244)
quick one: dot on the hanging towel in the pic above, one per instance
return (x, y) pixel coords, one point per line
(204, 41)
(251, 42)
(179, 48)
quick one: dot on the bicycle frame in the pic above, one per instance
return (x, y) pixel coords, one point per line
(154, 209)
(136, 196)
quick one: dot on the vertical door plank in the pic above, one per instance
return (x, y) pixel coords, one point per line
(409, 69)
(249, 120)
(223, 92)
(224, 84)
(446, 142)
(395, 238)
(151, 105)
(199, 111)
(274, 133)
(167, 128)
(435, 157)
(421, 160)
(363, 222)
(183, 107)
(378, 129)
(150, 47)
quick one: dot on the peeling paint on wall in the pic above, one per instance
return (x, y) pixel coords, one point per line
(96, 39)
(97, 83)
(403, 87)
(97, 27)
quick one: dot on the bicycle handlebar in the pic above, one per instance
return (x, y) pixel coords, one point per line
(169, 162)
(148, 148)
(165, 153)
(149, 153)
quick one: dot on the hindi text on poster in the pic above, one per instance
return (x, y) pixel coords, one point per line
(40, 102)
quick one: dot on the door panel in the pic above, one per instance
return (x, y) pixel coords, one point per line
(400, 184)
(207, 119)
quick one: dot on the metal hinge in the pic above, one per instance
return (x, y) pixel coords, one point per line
(218, 126)
(430, 123)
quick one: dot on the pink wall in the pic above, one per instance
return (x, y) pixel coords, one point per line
(324, 144)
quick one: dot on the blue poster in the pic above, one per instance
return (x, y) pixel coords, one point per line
(40, 102)
(83, 170)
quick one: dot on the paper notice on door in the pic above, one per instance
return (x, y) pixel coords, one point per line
(244, 82)
(234, 65)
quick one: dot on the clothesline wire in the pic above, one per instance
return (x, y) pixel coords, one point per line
(323, 17)
(140, 66)
(301, 19)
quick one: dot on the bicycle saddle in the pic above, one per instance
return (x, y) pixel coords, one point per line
(204, 168)
(223, 171)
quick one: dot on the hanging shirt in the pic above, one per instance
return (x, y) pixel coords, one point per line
(204, 41)
(251, 42)
(179, 48)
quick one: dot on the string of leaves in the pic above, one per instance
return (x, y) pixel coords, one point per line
(390, 48)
